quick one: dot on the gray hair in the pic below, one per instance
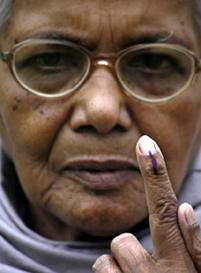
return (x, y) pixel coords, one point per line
(198, 15)
(5, 11)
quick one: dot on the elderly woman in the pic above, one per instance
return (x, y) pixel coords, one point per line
(85, 87)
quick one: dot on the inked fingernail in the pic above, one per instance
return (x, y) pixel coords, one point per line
(146, 145)
(149, 147)
(190, 215)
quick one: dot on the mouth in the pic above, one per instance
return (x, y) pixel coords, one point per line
(104, 175)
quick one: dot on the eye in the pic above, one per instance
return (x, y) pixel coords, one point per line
(157, 62)
(152, 63)
(48, 59)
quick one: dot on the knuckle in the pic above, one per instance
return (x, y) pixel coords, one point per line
(101, 264)
(166, 208)
(129, 252)
(164, 217)
(121, 241)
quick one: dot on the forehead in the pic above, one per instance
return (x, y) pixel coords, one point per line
(92, 21)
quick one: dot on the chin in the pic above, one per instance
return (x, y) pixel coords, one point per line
(104, 233)
(107, 231)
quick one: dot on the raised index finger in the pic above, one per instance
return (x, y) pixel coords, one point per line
(161, 199)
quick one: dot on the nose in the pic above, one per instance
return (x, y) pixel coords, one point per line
(101, 104)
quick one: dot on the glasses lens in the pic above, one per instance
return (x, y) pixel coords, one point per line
(155, 72)
(50, 68)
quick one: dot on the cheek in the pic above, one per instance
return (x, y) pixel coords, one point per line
(176, 127)
(29, 124)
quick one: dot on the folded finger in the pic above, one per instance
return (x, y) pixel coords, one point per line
(130, 254)
(105, 264)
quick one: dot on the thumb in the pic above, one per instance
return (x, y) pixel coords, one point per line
(191, 232)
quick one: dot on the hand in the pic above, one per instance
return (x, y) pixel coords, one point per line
(171, 253)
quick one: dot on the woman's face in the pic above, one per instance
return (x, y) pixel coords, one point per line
(75, 155)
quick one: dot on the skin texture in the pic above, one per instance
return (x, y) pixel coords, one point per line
(127, 253)
(99, 122)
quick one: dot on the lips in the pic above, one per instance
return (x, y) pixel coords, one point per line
(104, 175)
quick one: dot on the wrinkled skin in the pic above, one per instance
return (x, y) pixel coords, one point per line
(99, 122)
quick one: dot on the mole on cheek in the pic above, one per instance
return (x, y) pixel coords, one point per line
(15, 105)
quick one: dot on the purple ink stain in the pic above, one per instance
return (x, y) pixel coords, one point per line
(154, 162)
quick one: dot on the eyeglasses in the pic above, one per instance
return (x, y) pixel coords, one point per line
(148, 72)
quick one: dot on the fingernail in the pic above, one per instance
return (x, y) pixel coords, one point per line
(190, 215)
(146, 145)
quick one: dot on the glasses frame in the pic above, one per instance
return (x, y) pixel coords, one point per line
(109, 60)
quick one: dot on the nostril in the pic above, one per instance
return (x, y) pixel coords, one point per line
(85, 129)
(92, 129)
(119, 128)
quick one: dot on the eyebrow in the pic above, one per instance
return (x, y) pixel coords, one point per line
(49, 35)
(168, 37)
(59, 36)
